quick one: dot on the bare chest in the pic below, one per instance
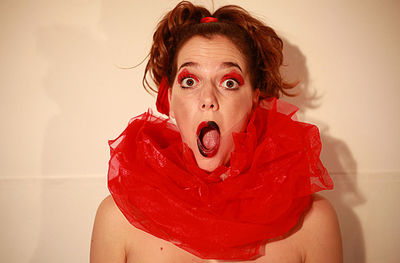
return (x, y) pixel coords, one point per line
(145, 248)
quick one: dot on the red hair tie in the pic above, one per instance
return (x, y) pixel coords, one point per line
(208, 19)
(162, 102)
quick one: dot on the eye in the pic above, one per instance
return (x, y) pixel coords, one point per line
(232, 81)
(188, 82)
(230, 84)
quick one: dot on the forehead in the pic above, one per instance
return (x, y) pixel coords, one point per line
(213, 51)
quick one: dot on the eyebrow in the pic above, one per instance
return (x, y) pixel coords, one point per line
(230, 65)
(188, 64)
(223, 65)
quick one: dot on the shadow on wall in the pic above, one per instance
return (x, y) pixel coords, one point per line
(71, 149)
(93, 95)
(335, 155)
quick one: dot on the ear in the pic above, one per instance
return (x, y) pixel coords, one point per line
(171, 112)
(256, 98)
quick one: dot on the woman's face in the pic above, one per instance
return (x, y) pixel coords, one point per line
(211, 98)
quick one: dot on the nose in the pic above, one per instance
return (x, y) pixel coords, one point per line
(208, 99)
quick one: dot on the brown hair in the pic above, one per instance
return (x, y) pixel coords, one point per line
(260, 45)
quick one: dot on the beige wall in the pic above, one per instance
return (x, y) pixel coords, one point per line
(63, 95)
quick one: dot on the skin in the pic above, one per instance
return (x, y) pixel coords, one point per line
(316, 238)
(212, 84)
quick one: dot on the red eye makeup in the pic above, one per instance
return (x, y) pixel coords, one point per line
(187, 79)
(236, 77)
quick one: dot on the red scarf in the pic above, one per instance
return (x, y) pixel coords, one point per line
(228, 213)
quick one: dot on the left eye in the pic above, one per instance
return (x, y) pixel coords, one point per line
(188, 82)
(230, 84)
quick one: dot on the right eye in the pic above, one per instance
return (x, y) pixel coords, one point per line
(188, 82)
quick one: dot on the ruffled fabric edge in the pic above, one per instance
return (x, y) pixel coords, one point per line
(261, 194)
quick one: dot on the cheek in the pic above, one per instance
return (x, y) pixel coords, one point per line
(240, 111)
(181, 111)
(235, 117)
(241, 105)
(178, 104)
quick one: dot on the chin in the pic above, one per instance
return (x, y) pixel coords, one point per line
(208, 165)
(211, 163)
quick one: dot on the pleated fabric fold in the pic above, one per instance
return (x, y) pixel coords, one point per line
(229, 213)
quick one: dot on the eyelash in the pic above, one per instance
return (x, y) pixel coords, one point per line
(237, 78)
(230, 88)
(184, 76)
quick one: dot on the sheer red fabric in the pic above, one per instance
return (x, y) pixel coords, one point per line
(162, 102)
(230, 212)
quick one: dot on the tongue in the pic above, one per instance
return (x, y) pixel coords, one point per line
(210, 139)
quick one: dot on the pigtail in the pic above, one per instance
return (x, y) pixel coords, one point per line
(257, 41)
(267, 46)
(165, 39)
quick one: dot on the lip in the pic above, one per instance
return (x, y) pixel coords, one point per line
(201, 129)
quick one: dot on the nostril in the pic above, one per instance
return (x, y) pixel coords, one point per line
(207, 106)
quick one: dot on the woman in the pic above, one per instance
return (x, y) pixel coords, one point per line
(234, 178)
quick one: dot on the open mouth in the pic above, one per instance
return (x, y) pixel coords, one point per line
(208, 138)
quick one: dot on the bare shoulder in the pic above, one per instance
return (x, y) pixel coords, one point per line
(321, 233)
(108, 237)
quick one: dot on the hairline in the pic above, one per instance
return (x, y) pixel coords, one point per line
(209, 36)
